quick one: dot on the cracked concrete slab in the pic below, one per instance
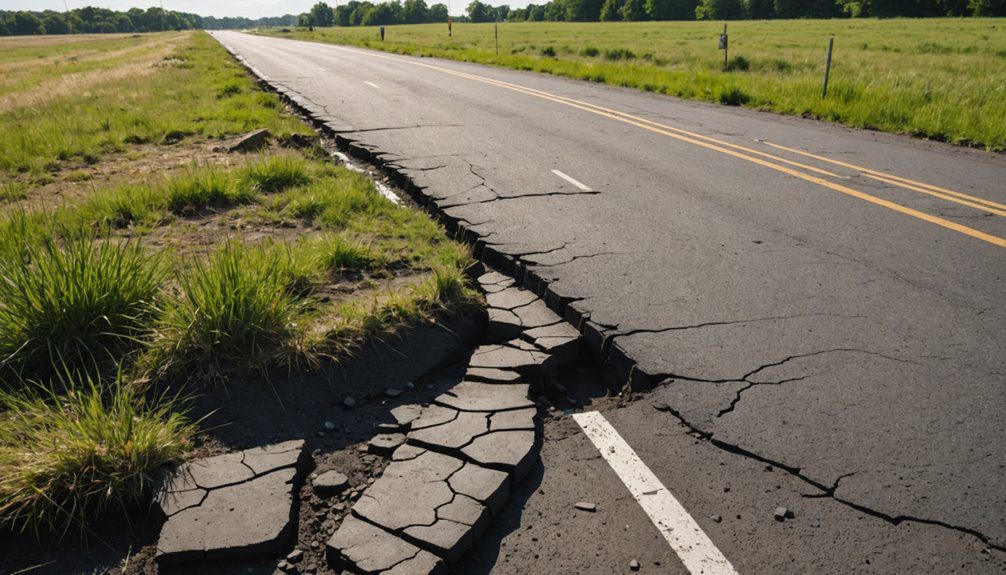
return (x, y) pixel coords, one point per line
(530, 363)
(369, 549)
(214, 509)
(513, 451)
(475, 396)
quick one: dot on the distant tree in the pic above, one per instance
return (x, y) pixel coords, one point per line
(438, 13)
(414, 12)
(55, 23)
(987, 7)
(503, 12)
(479, 12)
(323, 15)
(953, 7)
(611, 10)
(760, 9)
(555, 11)
(383, 14)
(4, 27)
(535, 13)
(634, 11)
(808, 8)
(306, 19)
(671, 9)
(26, 24)
(719, 10)
(583, 10)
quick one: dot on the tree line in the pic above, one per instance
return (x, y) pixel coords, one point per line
(91, 20)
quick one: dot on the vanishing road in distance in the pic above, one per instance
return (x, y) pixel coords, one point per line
(819, 310)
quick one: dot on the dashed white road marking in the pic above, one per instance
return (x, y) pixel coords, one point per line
(373, 85)
(572, 181)
(686, 538)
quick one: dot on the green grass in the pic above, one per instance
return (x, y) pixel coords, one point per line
(69, 460)
(184, 264)
(936, 78)
(234, 311)
(107, 111)
(77, 303)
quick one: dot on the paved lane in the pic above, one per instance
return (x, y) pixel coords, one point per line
(826, 300)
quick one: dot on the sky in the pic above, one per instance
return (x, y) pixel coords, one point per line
(247, 8)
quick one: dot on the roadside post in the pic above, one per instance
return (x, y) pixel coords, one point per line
(496, 30)
(449, 22)
(382, 33)
(724, 45)
(827, 67)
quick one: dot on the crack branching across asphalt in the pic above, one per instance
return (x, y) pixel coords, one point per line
(523, 271)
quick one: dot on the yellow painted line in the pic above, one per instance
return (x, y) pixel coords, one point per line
(697, 139)
(900, 180)
(977, 206)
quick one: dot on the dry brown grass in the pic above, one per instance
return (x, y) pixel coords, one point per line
(80, 83)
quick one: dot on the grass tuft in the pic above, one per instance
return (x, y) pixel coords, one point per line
(237, 311)
(70, 460)
(78, 302)
(276, 174)
(203, 188)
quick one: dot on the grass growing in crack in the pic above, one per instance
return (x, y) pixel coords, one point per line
(77, 302)
(68, 460)
(123, 206)
(237, 310)
(275, 174)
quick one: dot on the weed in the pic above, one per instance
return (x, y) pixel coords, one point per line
(590, 52)
(72, 459)
(340, 254)
(548, 52)
(738, 64)
(733, 96)
(124, 206)
(619, 54)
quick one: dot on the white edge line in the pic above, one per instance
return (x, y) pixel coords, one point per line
(372, 84)
(696, 551)
(572, 181)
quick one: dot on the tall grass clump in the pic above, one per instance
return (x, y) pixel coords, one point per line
(77, 302)
(340, 254)
(234, 311)
(276, 174)
(204, 188)
(69, 460)
(124, 206)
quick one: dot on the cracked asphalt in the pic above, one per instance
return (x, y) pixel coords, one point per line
(836, 316)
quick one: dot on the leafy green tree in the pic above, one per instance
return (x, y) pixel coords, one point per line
(383, 14)
(55, 23)
(611, 11)
(26, 24)
(808, 8)
(634, 11)
(415, 12)
(438, 13)
(988, 7)
(323, 15)
(671, 9)
(555, 11)
(479, 12)
(535, 13)
(4, 27)
(760, 9)
(719, 10)
(502, 12)
(583, 10)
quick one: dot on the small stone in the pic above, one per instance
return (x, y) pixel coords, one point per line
(661, 406)
(716, 518)
(330, 483)
(251, 141)
(410, 385)
(329, 426)
(385, 443)
(295, 556)
(634, 565)
(782, 514)
(349, 403)
(393, 391)
(586, 506)
(284, 566)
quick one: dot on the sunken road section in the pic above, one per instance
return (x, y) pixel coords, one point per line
(464, 451)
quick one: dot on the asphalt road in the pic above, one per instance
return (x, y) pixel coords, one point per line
(824, 302)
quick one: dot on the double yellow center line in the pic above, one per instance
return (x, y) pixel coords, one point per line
(758, 157)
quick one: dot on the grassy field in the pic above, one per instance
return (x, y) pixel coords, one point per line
(136, 247)
(943, 79)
